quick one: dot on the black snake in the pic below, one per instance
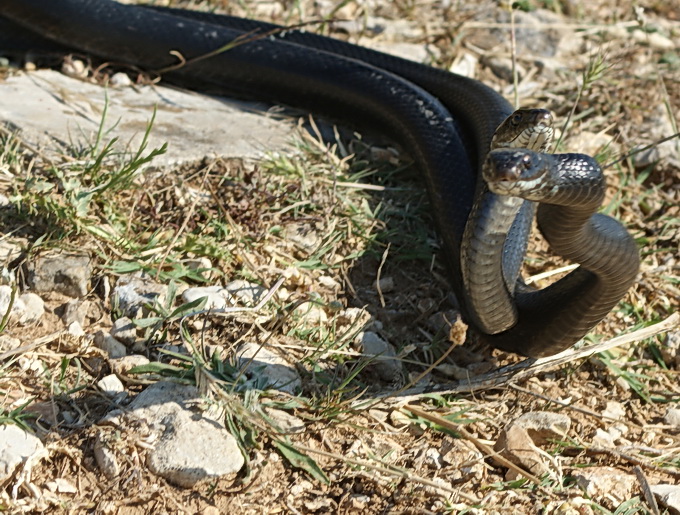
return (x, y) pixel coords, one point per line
(445, 121)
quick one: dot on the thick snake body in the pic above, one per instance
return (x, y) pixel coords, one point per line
(445, 121)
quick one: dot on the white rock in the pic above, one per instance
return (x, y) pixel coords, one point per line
(544, 425)
(34, 308)
(310, 314)
(191, 446)
(62, 486)
(284, 421)
(668, 495)
(248, 294)
(75, 329)
(16, 446)
(110, 385)
(8, 343)
(614, 410)
(18, 306)
(216, 297)
(384, 360)
(120, 80)
(606, 484)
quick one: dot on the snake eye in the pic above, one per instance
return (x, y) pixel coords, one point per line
(516, 119)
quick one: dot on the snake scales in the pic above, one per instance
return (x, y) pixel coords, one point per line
(445, 121)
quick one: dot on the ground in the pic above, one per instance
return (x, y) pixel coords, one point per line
(333, 216)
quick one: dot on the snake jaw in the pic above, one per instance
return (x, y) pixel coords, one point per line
(518, 172)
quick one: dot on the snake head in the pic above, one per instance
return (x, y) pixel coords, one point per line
(516, 172)
(525, 128)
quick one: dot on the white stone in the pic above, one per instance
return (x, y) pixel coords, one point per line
(668, 495)
(191, 446)
(247, 293)
(217, 297)
(34, 308)
(16, 446)
(111, 385)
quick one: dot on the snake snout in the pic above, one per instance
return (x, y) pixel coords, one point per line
(513, 172)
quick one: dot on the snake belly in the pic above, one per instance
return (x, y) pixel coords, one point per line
(445, 121)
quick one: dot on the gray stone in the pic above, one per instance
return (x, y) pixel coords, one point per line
(217, 297)
(383, 356)
(46, 105)
(107, 343)
(133, 294)
(267, 369)
(105, 458)
(60, 272)
(75, 310)
(16, 446)
(124, 331)
(192, 446)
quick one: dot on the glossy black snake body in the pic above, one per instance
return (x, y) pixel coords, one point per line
(445, 122)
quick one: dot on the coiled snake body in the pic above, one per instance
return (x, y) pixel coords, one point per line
(445, 121)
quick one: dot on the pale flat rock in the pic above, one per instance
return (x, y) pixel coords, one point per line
(52, 110)
(16, 446)
(216, 297)
(248, 294)
(107, 343)
(191, 445)
(668, 496)
(111, 385)
(607, 485)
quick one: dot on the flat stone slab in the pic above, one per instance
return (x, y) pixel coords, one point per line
(52, 110)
